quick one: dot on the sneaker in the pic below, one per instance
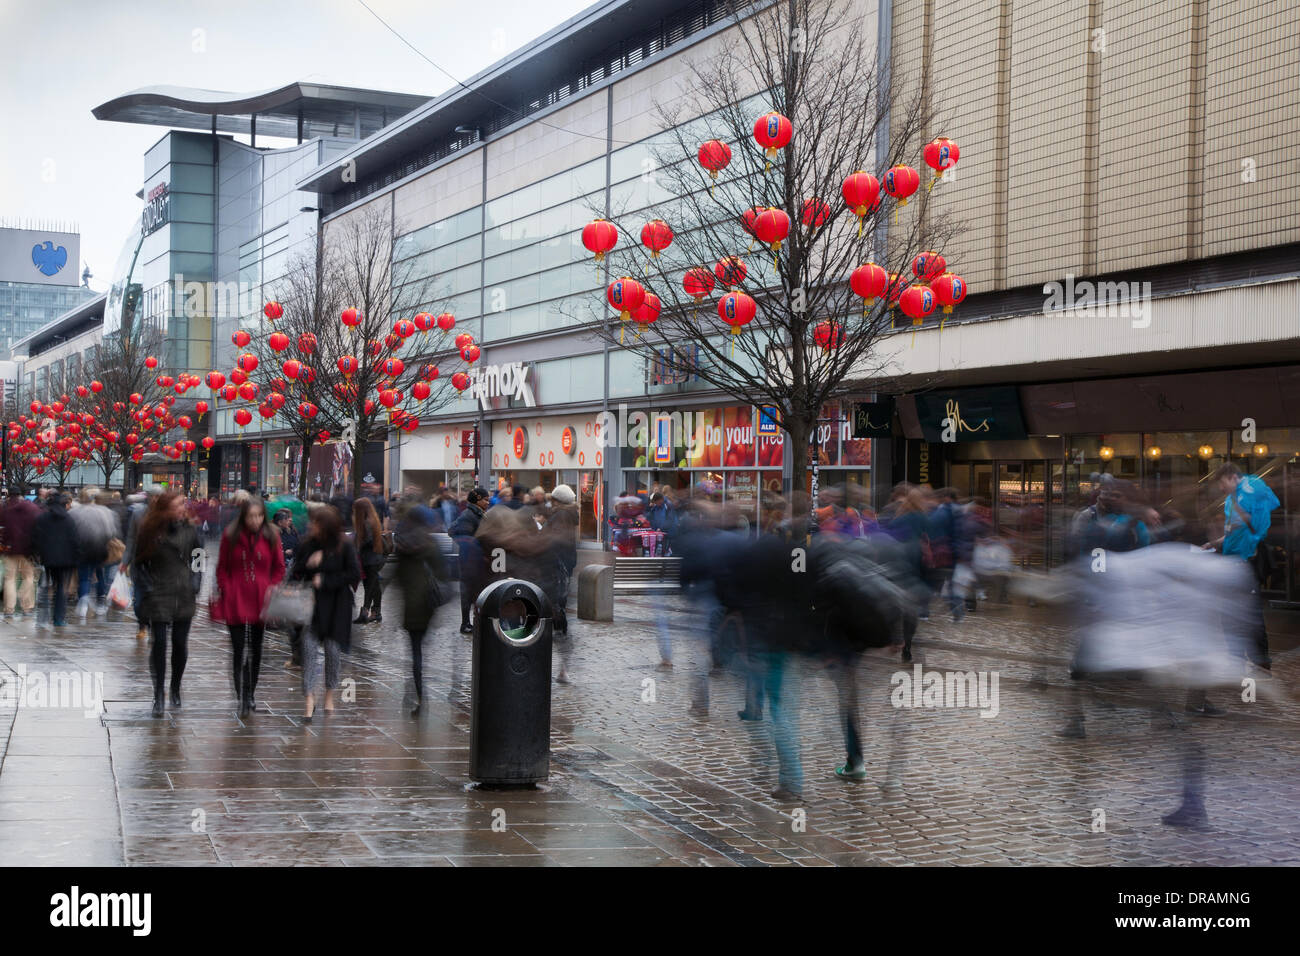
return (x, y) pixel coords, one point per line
(787, 796)
(746, 715)
(1073, 730)
(101, 609)
(466, 629)
(846, 772)
(1207, 710)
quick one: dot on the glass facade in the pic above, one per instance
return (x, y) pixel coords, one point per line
(26, 307)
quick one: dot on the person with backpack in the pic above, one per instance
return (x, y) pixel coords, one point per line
(1110, 524)
(370, 542)
(58, 549)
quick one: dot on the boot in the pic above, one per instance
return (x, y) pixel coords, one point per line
(363, 617)
(176, 697)
(158, 702)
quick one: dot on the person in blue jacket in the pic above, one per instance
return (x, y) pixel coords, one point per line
(1247, 515)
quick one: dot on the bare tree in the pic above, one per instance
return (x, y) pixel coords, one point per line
(355, 271)
(812, 339)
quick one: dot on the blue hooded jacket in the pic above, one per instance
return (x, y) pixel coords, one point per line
(1257, 500)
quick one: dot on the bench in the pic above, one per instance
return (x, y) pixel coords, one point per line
(647, 574)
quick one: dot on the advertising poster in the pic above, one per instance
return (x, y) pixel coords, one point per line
(742, 489)
(706, 451)
(738, 437)
(826, 437)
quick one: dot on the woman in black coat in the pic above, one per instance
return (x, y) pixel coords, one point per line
(329, 562)
(420, 576)
(165, 547)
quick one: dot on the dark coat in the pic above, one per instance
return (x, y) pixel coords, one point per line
(249, 565)
(167, 584)
(54, 540)
(371, 561)
(420, 573)
(340, 573)
(19, 520)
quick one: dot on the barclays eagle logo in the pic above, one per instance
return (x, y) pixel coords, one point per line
(48, 258)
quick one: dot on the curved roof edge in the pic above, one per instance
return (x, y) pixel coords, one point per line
(219, 103)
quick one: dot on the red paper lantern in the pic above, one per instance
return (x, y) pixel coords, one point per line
(229, 392)
(243, 416)
(150, 362)
(737, 310)
(201, 408)
(868, 281)
(96, 386)
(323, 436)
(272, 310)
(348, 365)
(771, 227)
(747, 219)
(307, 343)
(626, 295)
(446, 321)
(894, 289)
(730, 271)
(292, 369)
(648, 310)
(420, 391)
(917, 301)
(266, 410)
(276, 400)
(423, 322)
(698, 282)
(900, 182)
(208, 441)
(656, 235)
(410, 423)
(278, 341)
(470, 353)
(238, 376)
(464, 339)
(828, 335)
(351, 318)
(136, 398)
(215, 380)
(389, 397)
(941, 154)
(82, 391)
(949, 290)
(599, 236)
(241, 338)
(861, 191)
(393, 367)
(815, 213)
(715, 156)
(404, 328)
(460, 381)
(247, 363)
(928, 265)
(307, 410)
(185, 422)
(248, 391)
(772, 131)
(429, 373)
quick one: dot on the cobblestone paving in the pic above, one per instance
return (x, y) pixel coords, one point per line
(637, 779)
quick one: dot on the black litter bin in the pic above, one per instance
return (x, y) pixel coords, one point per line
(510, 709)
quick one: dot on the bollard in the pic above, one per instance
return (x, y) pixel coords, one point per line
(510, 709)
(596, 593)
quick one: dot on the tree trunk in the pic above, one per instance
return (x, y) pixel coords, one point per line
(302, 469)
(798, 432)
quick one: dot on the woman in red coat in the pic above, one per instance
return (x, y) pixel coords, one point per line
(250, 564)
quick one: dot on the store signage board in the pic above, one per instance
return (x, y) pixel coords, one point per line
(508, 380)
(769, 421)
(873, 419)
(663, 440)
(469, 444)
(971, 414)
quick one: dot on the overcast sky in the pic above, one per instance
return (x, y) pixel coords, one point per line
(64, 58)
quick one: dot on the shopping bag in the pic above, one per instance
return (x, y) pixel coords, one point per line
(119, 594)
(289, 604)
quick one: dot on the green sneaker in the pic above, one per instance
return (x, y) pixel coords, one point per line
(846, 772)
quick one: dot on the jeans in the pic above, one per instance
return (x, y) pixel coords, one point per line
(374, 591)
(58, 578)
(246, 641)
(784, 716)
(158, 652)
(417, 662)
(99, 572)
(311, 645)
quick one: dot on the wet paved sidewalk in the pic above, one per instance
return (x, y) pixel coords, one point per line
(636, 778)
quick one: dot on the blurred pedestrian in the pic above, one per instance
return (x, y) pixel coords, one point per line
(249, 564)
(288, 546)
(329, 561)
(420, 577)
(18, 518)
(369, 540)
(165, 546)
(472, 567)
(56, 546)
(95, 526)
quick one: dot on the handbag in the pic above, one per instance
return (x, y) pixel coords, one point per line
(289, 604)
(116, 548)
